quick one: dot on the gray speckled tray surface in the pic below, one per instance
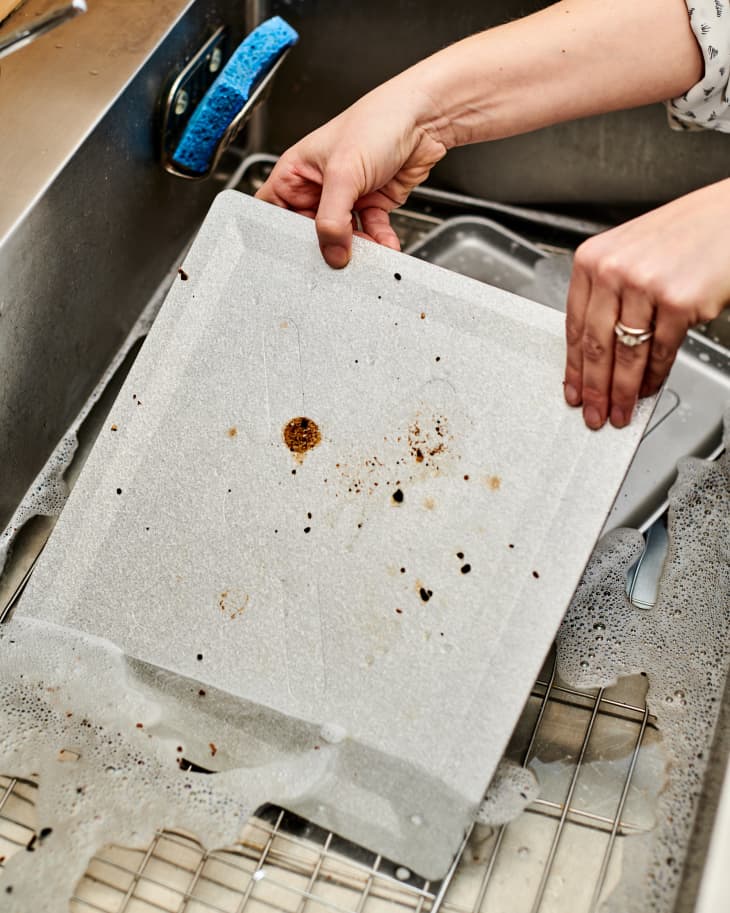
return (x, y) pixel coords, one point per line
(401, 578)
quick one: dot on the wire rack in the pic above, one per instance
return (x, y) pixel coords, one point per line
(562, 853)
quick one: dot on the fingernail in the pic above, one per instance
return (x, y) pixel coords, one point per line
(571, 395)
(336, 255)
(592, 417)
(618, 418)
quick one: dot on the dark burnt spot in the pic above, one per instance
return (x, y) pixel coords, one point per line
(199, 657)
(397, 277)
(402, 570)
(398, 496)
(182, 274)
(301, 434)
(465, 568)
(460, 555)
(232, 431)
(201, 693)
(511, 545)
(425, 594)
(45, 832)
(307, 529)
(119, 491)
(418, 455)
(535, 575)
(399, 611)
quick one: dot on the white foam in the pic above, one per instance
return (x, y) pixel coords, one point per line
(512, 789)
(682, 644)
(60, 691)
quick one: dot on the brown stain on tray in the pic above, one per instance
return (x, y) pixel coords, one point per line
(301, 434)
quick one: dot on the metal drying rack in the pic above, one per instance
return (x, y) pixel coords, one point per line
(284, 863)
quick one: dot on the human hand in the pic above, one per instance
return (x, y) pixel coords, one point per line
(367, 160)
(668, 269)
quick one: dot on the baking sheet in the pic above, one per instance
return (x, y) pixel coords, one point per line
(355, 499)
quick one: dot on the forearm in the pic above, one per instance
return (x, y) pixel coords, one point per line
(573, 59)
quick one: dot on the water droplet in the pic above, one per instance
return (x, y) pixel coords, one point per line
(584, 664)
(416, 820)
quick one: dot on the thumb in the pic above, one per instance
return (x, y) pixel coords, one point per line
(334, 216)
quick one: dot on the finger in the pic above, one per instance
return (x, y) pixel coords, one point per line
(629, 362)
(668, 335)
(267, 192)
(376, 224)
(334, 217)
(598, 347)
(578, 296)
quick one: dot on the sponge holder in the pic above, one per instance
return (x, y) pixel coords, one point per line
(187, 91)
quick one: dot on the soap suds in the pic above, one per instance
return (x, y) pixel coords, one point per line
(682, 644)
(512, 789)
(118, 751)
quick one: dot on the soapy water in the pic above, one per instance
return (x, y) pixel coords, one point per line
(512, 789)
(126, 778)
(682, 645)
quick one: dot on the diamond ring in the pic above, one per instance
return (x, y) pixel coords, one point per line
(630, 336)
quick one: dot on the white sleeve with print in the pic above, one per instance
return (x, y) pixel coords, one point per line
(706, 106)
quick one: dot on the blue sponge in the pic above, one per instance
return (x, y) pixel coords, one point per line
(224, 99)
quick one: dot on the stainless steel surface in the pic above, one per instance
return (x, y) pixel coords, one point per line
(90, 222)
(643, 582)
(483, 250)
(348, 48)
(27, 34)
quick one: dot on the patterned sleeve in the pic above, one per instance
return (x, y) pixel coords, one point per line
(706, 106)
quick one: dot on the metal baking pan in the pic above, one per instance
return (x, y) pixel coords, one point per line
(688, 417)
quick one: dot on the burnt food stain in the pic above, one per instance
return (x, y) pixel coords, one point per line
(460, 555)
(301, 434)
(232, 431)
(397, 277)
(465, 568)
(398, 496)
(535, 575)
(425, 594)
(183, 275)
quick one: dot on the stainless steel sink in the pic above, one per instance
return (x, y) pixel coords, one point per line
(90, 232)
